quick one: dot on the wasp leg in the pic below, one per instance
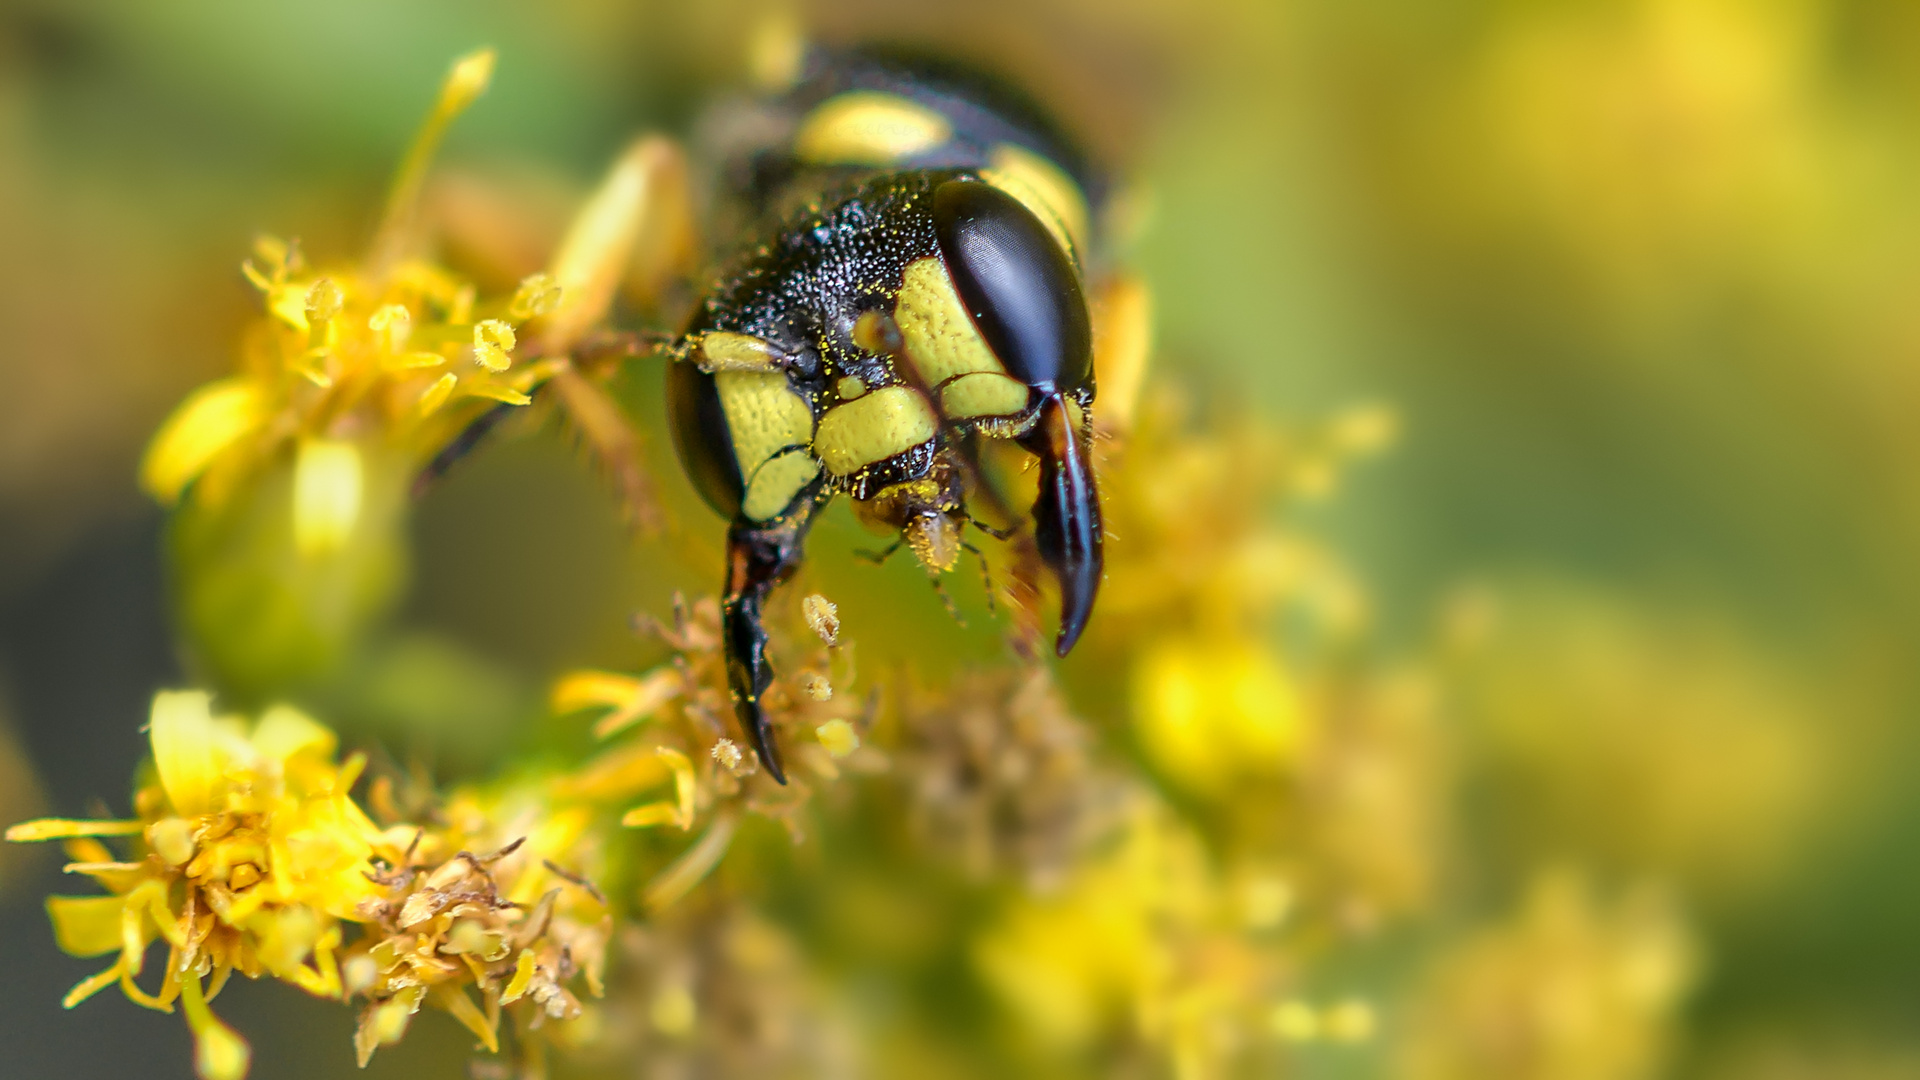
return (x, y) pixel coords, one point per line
(1066, 517)
(953, 610)
(878, 558)
(758, 558)
(637, 230)
(986, 572)
(461, 445)
(997, 534)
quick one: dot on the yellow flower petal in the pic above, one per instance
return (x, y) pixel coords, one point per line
(436, 395)
(181, 729)
(285, 731)
(28, 832)
(218, 1052)
(505, 394)
(90, 986)
(456, 1002)
(632, 699)
(327, 491)
(522, 978)
(86, 925)
(212, 418)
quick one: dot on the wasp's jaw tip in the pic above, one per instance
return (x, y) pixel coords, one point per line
(1065, 642)
(772, 765)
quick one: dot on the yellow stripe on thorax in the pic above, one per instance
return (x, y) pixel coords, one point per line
(764, 417)
(946, 349)
(1042, 187)
(868, 430)
(867, 127)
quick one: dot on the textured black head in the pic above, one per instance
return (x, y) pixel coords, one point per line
(1017, 282)
(702, 438)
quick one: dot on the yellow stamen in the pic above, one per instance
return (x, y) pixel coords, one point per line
(392, 325)
(493, 343)
(538, 294)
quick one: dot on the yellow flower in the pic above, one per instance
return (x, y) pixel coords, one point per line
(246, 855)
(713, 783)
(1568, 988)
(385, 346)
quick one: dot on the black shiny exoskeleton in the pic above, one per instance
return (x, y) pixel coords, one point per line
(910, 286)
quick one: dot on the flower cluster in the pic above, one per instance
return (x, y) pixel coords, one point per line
(351, 361)
(250, 855)
(247, 855)
(667, 728)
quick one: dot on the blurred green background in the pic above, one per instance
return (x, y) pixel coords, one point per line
(1638, 277)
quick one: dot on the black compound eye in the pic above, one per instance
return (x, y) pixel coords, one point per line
(702, 438)
(1017, 282)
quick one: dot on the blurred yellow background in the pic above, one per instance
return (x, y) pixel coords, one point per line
(1638, 280)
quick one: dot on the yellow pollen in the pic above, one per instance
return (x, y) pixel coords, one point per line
(493, 343)
(391, 325)
(324, 301)
(838, 737)
(727, 753)
(817, 686)
(537, 295)
(822, 616)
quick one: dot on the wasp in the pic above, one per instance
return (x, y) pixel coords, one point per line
(908, 294)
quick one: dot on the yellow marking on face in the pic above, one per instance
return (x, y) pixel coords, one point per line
(764, 417)
(983, 393)
(859, 433)
(850, 387)
(941, 340)
(1076, 416)
(1043, 188)
(867, 127)
(774, 484)
(722, 350)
